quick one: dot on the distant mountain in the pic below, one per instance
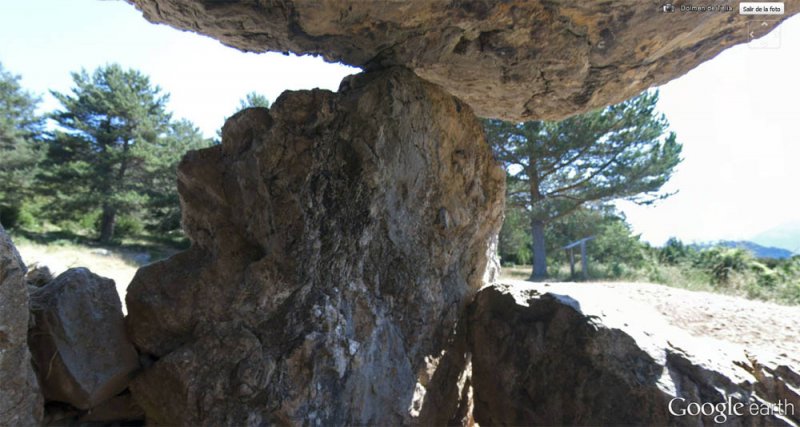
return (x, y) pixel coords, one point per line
(757, 250)
(786, 236)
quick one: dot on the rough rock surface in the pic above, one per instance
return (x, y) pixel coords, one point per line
(38, 276)
(78, 341)
(336, 239)
(555, 359)
(512, 59)
(20, 399)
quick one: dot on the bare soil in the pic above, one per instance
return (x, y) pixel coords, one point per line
(119, 266)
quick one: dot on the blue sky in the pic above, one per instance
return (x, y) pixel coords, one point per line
(737, 115)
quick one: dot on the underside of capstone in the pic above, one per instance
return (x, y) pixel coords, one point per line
(337, 238)
(510, 59)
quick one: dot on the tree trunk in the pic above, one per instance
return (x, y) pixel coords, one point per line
(539, 253)
(107, 223)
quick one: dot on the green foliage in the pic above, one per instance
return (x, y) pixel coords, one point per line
(614, 241)
(617, 254)
(254, 99)
(112, 162)
(675, 252)
(723, 263)
(554, 168)
(110, 165)
(729, 270)
(163, 206)
(108, 129)
(614, 244)
(20, 147)
(128, 226)
(514, 243)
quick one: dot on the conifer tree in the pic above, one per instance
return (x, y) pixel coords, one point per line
(619, 152)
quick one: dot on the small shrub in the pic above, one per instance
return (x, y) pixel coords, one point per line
(89, 223)
(128, 226)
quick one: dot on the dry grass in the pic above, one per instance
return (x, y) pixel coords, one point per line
(118, 265)
(521, 272)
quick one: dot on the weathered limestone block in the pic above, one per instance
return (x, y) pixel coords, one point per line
(511, 59)
(21, 401)
(337, 238)
(550, 359)
(81, 351)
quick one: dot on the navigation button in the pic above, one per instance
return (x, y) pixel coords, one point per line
(761, 8)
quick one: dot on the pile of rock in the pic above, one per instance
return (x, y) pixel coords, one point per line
(79, 346)
(70, 332)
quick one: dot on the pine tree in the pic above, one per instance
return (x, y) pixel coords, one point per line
(163, 207)
(20, 145)
(618, 152)
(110, 125)
(254, 99)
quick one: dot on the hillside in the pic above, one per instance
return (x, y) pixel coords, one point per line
(757, 250)
(786, 236)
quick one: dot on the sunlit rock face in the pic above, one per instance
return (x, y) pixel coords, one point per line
(337, 238)
(549, 355)
(511, 59)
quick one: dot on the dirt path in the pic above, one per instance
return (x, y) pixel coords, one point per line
(757, 326)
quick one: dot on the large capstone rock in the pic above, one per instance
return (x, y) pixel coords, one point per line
(21, 402)
(511, 59)
(81, 351)
(546, 356)
(336, 239)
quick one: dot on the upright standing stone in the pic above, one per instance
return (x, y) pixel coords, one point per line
(20, 400)
(336, 239)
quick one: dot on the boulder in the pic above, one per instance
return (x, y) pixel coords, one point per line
(21, 401)
(510, 59)
(336, 238)
(81, 352)
(545, 357)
